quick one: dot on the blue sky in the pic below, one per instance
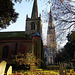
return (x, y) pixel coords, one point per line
(25, 8)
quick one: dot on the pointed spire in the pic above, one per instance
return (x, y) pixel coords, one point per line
(50, 19)
(34, 10)
(50, 24)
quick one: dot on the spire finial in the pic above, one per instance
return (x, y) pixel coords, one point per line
(34, 10)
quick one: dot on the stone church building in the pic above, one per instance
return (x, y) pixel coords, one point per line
(12, 43)
(51, 48)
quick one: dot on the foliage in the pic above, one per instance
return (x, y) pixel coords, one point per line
(20, 0)
(61, 56)
(7, 13)
(19, 59)
(29, 59)
(63, 12)
(67, 53)
(70, 46)
(64, 15)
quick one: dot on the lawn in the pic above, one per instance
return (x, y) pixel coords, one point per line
(41, 72)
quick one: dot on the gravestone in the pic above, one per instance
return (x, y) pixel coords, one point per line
(2, 67)
(9, 72)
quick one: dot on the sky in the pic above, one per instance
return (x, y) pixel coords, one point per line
(25, 8)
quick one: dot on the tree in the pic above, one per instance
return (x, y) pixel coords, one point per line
(67, 53)
(63, 16)
(61, 56)
(7, 13)
(63, 12)
(28, 59)
(70, 46)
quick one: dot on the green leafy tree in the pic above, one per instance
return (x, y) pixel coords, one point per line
(70, 46)
(7, 13)
(67, 53)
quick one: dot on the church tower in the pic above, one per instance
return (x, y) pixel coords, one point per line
(34, 30)
(51, 39)
(33, 24)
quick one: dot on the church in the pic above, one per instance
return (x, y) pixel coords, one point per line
(13, 43)
(50, 49)
(23, 42)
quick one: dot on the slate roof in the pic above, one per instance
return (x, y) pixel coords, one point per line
(36, 34)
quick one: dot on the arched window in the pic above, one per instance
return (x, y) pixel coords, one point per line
(5, 52)
(32, 26)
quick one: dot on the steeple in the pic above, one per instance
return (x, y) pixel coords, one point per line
(50, 19)
(51, 39)
(34, 24)
(34, 10)
(50, 24)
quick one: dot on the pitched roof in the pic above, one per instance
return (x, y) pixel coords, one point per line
(12, 34)
(36, 34)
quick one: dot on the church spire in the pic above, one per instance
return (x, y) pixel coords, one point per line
(34, 10)
(50, 24)
(50, 19)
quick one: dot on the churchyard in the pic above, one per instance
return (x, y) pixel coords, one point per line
(10, 71)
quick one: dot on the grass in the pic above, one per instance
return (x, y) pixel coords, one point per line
(42, 72)
(39, 71)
